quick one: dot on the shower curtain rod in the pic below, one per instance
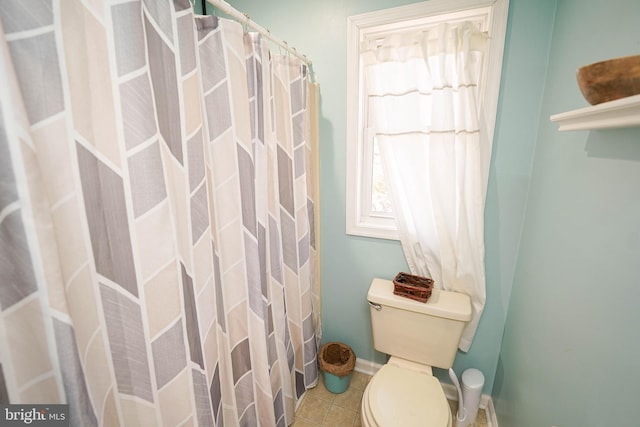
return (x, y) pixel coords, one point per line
(245, 19)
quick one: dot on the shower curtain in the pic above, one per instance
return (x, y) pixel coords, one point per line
(157, 243)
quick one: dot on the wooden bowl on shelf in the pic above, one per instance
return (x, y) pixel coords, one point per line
(609, 80)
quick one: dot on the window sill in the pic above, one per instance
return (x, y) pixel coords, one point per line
(374, 230)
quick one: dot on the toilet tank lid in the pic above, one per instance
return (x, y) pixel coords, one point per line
(446, 304)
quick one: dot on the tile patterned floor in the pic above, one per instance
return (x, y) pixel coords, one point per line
(320, 407)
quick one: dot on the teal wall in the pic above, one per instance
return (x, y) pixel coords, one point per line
(571, 349)
(319, 29)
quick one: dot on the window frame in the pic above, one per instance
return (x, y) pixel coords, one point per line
(360, 220)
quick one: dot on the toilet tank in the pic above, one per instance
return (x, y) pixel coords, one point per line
(427, 333)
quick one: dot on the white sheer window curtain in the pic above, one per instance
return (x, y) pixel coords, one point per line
(423, 107)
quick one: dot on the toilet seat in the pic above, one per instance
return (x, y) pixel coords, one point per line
(397, 396)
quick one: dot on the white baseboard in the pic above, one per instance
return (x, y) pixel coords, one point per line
(367, 367)
(486, 403)
(492, 418)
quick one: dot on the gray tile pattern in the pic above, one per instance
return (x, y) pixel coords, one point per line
(199, 213)
(222, 321)
(146, 179)
(253, 276)
(289, 242)
(169, 357)
(216, 393)
(18, 15)
(246, 170)
(195, 158)
(80, 408)
(241, 360)
(164, 81)
(4, 393)
(127, 343)
(40, 81)
(211, 61)
(139, 120)
(274, 246)
(191, 316)
(218, 111)
(128, 37)
(106, 211)
(18, 278)
(187, 48)
(202, 399)
(160, 10)
(245, 405)
(285, 181)
(8, 189)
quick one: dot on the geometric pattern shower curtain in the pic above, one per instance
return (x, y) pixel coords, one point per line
(157, 246)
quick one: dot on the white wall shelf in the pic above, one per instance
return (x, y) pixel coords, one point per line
(619, 113)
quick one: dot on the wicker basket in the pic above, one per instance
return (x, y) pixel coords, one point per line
(415, 287)
(337, 358)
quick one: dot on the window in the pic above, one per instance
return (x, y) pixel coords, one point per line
(369, 210)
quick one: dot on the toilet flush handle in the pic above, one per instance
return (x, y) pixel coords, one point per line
(378, 307)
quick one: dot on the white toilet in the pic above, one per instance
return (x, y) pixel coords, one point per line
(417, 336)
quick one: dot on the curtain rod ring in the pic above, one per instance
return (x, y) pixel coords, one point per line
(246, 21)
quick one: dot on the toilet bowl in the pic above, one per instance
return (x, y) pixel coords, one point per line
(417, 336)
(400, 396)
